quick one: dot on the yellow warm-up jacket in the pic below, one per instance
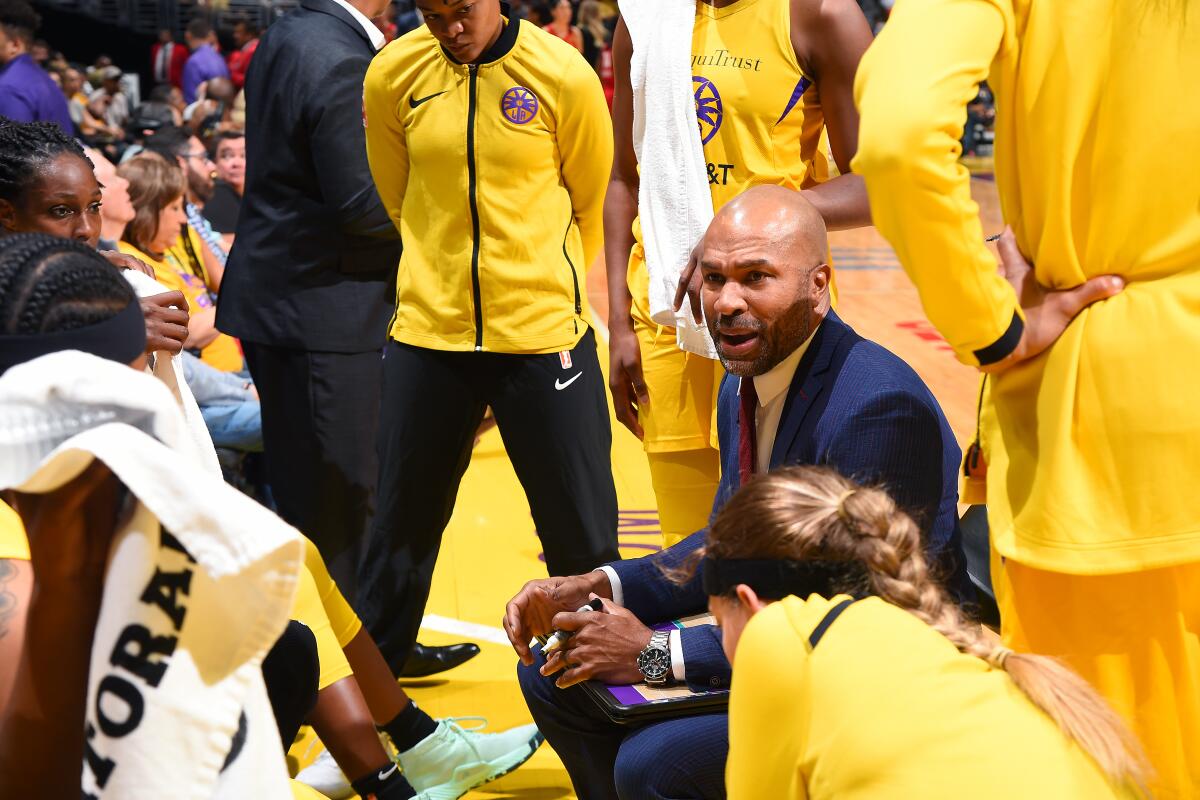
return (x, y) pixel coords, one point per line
(1093, 452)
(495, 176)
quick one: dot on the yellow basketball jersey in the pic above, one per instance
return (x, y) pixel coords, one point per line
(760, 118)
(759, 115)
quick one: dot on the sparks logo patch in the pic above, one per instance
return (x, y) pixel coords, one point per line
(565, 358)
(709, 110)
(519, 105)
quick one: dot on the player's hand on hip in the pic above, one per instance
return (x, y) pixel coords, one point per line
(625, 379)
(604, 646)
(1048, 312)
(532, 611)
(689, 285)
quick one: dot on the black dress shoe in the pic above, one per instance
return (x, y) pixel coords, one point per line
(424, 661)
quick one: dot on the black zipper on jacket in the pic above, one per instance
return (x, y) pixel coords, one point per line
(574, 275)
(471, 102)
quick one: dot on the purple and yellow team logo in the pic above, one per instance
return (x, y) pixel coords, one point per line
(519, 105)
(709, 111)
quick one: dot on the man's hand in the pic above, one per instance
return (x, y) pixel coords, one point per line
(123, 261)
(1048, 312)
(605, 646)
(166, 321)
(625, 377)
(531, 612)
(689, 285)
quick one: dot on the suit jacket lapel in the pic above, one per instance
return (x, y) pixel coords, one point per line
(812, 375)
(334, 10)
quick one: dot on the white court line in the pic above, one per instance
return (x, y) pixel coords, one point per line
(469, 630)
(601, 328)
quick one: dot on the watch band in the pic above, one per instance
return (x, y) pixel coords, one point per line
(660, 642)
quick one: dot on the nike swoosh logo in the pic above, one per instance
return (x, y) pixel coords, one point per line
(384, 773)
(558, 384)
(412, 103)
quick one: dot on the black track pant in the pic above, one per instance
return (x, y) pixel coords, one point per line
(555, 426)
(320, 413)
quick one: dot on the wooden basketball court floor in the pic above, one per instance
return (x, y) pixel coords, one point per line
(490, 548)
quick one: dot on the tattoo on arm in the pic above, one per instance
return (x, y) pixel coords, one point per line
(8, 600)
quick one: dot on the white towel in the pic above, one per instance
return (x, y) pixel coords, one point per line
(674, 203)
(168, 369)
(199, 564)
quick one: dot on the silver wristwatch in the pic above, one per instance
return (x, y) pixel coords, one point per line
(655, 661)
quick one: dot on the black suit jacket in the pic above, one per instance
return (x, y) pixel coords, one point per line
(314, 261)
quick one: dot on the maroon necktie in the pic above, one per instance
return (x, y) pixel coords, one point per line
(748, 436)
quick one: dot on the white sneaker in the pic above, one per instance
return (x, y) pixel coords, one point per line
(451, 761)
(326, 777)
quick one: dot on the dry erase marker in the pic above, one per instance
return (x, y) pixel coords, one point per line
(559, 638)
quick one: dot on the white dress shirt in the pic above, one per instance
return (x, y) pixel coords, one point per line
(162, 67)
(772, 387)
(374, 34)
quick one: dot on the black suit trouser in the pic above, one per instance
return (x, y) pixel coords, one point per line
(320, 414)
(554, 421)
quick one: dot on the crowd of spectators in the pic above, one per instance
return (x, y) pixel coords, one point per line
(145, 146)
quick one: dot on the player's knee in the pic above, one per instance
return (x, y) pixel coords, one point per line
(538, 689)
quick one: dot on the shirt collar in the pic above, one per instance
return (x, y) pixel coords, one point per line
(374, 34)
(23, 60)
(776, 381)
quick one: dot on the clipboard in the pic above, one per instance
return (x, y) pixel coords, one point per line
(638, 704)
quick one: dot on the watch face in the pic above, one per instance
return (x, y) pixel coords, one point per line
(655, 663)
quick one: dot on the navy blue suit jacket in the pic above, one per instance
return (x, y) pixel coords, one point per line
(853, 406)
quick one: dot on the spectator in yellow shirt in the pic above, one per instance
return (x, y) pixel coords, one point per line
(156, 189)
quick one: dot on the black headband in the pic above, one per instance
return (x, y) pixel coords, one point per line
(774, 579)
(120, 338)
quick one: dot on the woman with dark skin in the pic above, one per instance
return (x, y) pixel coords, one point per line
(47, 185)
(69, 532)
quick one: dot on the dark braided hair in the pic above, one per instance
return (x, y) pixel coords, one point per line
(25, 148)
(49, 284)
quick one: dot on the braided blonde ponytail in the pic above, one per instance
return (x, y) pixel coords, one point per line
(804, 513)
(888, 543)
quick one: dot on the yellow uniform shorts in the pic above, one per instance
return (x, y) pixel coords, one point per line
(321, 607)
(682, 412)
(1135, 637)
(679, 422)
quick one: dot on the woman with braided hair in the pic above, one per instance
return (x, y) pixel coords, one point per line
(47, 185)
(55, 294)
(865, 680)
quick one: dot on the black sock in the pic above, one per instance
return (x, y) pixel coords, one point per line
(409, 727)
(386, 784)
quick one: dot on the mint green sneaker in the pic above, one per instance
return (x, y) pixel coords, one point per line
(451, 761)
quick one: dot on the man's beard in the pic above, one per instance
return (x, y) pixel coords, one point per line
(202, 190)
(777, 340)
